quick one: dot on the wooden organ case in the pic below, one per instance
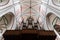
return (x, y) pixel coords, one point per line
(29, 34)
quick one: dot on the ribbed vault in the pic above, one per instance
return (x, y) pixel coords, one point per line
(30, 8)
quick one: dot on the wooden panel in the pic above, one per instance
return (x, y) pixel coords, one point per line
(46, 33)
(27, 34)
(29, 31)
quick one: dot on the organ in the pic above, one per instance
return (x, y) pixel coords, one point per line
(29, 32)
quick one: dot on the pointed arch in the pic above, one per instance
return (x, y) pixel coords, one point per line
(6, 21)
(53, 22)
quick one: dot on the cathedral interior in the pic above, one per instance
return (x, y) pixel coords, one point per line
(29, 19)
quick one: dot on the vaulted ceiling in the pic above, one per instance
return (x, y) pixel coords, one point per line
(30, 8)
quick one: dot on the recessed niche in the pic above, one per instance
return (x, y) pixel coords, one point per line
(54, 20)
(6, 21)
(56, 2)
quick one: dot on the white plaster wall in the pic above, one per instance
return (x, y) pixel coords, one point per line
(42, 15)
(51, 3)
(15, 1)
(10, 3)
(10, 7)
(57, 14)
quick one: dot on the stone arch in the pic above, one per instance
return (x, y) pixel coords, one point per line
(53, 22)
(49, 20)
(6, 21)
